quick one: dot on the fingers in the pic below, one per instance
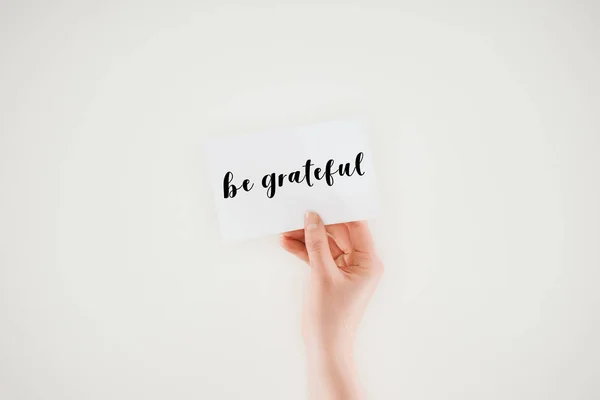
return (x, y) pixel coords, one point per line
(317, 242)
(341, 236)
(297, 234)
(294, 247)
(333, 246)
(320, 244)
(360, 236)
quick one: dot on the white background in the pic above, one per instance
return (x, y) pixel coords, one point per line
(114, 283)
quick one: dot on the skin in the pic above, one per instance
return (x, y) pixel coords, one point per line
(344, 273)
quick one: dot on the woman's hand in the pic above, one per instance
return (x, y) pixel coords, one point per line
(345, 271)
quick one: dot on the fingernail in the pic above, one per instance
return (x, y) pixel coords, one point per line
(311, 220)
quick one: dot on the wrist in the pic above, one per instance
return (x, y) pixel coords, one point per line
(332, 371)
(339, 346)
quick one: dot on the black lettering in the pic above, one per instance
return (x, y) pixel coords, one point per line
(268, 182)
(307, 172)
(273, 180)
(329, 173)
(317, 173)
(246, 183)
(359, 158)
(281, 177)
(345, 170)
(295, 177)
(229, 190)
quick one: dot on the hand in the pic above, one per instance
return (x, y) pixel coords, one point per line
(345, 271)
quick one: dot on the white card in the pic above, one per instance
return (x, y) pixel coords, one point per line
(251, 203)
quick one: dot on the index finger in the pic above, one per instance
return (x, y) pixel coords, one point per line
(297, 234)
(360, 236)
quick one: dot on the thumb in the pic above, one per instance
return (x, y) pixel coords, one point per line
(317, 243)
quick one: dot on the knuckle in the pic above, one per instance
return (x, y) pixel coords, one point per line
(366, 259)
(314, 245)
(373, 264)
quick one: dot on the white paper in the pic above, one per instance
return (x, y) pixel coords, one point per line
(252, 156)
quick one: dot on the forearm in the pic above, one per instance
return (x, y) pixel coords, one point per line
(344, 273)
(332, 373)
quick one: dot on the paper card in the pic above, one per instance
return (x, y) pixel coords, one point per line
(265, 182)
